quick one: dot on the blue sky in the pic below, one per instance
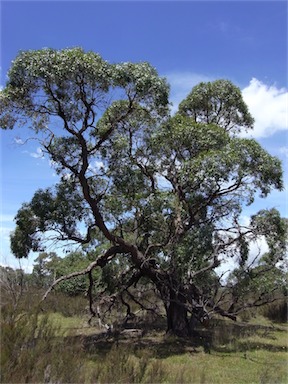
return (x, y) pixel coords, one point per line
(187, 41)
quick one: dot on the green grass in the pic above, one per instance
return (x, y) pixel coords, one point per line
(226, 353)
(253, 352)
(266, 339)
(122, 364)
(260, 357)
(238, 368)
(66, 325)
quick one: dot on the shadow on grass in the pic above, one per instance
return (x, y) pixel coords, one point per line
(238, 337)
(221, 336)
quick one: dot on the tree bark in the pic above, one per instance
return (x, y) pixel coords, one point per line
(177, 316)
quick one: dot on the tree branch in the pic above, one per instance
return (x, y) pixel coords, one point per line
(100, 262)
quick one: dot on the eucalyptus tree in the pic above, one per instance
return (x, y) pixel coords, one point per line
(157, 197)
(48, 267)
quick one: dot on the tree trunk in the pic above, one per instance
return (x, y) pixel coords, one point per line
(177, 316)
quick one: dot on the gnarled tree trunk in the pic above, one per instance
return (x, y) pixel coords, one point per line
(177, 315)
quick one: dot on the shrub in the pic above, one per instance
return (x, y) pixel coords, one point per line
(31, 352)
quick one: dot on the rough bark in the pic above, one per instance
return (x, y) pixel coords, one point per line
(177, 316)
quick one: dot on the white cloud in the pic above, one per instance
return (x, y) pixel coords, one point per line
(26, 265)
(269, 107)
(19, 141)
(5, 252)
(5, 233)
(38, 154)
(96, 166)
(6, 226)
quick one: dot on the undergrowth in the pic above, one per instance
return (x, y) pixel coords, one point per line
(39, 348)
(32, 350)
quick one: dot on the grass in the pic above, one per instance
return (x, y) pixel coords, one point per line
(248, 353)
(265, 339)
(56, 348)
(123, 364)
(66, 325)
(227, 368)
(31, 351)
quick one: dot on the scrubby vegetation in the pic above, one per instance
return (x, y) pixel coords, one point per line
(53, 343)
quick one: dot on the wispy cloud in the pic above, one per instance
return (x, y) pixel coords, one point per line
(235, 32)
(6, 227)
(96, 166)
(5, 233)
(181, 84)
(18, 141)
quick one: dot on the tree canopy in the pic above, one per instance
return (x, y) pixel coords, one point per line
(161, 194)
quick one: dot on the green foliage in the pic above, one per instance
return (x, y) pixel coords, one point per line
(275, 229)
(209, 157)
(49, 267)
(218, 102)
(69, 80)
(44, 271)
(68, 73)
(75, 261)
(24, 239)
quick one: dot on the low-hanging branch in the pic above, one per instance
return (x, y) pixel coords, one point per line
(100, 262)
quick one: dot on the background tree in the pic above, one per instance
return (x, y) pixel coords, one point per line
(48, 267)
(251, 286)
(12, 285)
(44, 272)
(161, 196)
